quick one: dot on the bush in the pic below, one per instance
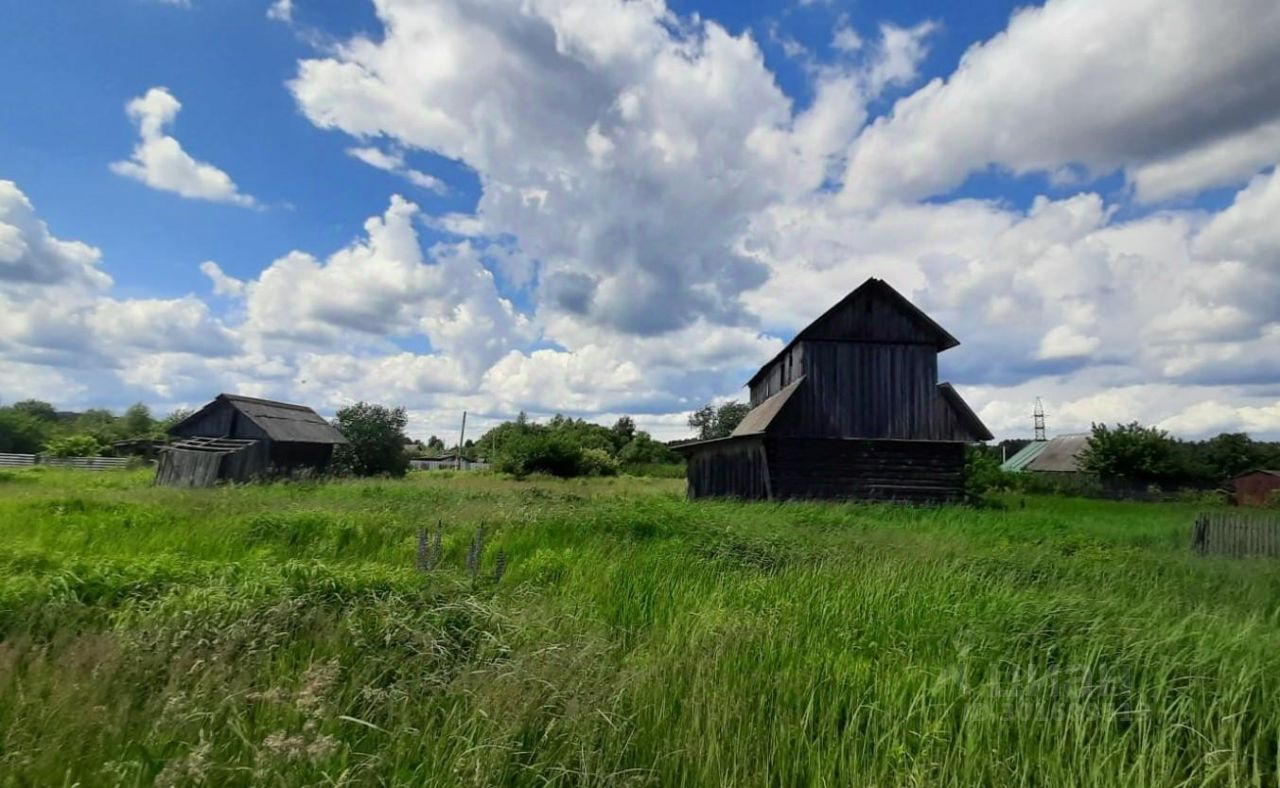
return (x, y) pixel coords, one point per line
(539, 450)
(982, 473)
(375, 441)
(597, 462)
(73, 446)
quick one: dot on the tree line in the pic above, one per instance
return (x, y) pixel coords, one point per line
(36, 427)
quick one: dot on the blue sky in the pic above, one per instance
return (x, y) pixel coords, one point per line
(606, 207)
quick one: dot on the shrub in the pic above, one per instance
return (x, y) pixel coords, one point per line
(539, 450)
(375, 441)
(73, 446)
(982, 473)
(597, 462)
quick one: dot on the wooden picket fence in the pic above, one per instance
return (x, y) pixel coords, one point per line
(1237, 535)
(87, 463)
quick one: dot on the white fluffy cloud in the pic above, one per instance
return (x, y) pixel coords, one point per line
(1175, 92)
(657, 216)
(159, 161)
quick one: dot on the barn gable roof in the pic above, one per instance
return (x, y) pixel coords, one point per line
(761, 416)
(964, 413)
(875, 288)
(281, 421)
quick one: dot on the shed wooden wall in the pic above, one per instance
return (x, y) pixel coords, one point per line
(301, 455)
(1255, 489)
(875, 470)
(734, 468)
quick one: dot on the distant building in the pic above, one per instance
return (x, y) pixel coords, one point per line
(1059, 455)
(851, 408)
(1256, 488)
(448, 462)
(241, 438)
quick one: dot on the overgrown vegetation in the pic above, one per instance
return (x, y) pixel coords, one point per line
(718, 421)
(33, 426)
(375, 441)
(567, 447)
(288, 634)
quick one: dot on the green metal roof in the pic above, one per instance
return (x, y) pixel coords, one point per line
(1023, 458)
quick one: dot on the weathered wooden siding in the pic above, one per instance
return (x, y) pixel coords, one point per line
(865, 390)
(877, 470)
(734, 468)
(221, 421)
(870, 317)
(781, 371)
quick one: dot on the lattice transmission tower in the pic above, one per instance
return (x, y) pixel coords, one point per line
(1038, 416)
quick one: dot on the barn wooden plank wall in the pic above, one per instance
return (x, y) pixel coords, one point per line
(1237, 535)
(734, 468)
(880, 470)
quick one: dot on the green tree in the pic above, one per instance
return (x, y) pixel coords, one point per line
(718, 422)
(435, 444)
(1230, 454)
(1131, 451)
(22, 433)
(375, 440)
(37, 409)
(622, 432)
(137, 422)
(644, 450)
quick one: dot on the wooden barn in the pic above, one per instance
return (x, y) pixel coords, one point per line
(238, 438)
(851, 408)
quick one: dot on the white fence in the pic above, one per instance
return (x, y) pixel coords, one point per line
(87, 463)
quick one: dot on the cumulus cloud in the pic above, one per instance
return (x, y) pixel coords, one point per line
(1172, 92)
(657, 217)
(159, 161)
(30, 255)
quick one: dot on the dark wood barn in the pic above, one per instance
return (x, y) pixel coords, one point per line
(1257, 488)
(851, 408)
(241, 438)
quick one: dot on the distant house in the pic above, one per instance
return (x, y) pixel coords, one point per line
(240, 438)
(1060, 455)
(851, 408)
(1256, 488)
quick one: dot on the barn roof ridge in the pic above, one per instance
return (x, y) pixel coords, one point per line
(281, 421)
(945, 341)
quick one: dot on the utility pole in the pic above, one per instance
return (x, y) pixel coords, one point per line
(461, 437)
(1038, 417)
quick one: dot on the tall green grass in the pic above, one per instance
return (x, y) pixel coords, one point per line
(280, 635)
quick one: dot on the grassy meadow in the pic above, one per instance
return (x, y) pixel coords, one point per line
(283, 635)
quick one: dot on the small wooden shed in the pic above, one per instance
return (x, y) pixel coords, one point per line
(851, 408)
(240, 438)
(1256, 488)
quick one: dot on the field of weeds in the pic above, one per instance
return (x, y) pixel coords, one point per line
(314, 634)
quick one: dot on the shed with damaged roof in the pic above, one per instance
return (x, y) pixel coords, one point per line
(850, 408)
(239, 438)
